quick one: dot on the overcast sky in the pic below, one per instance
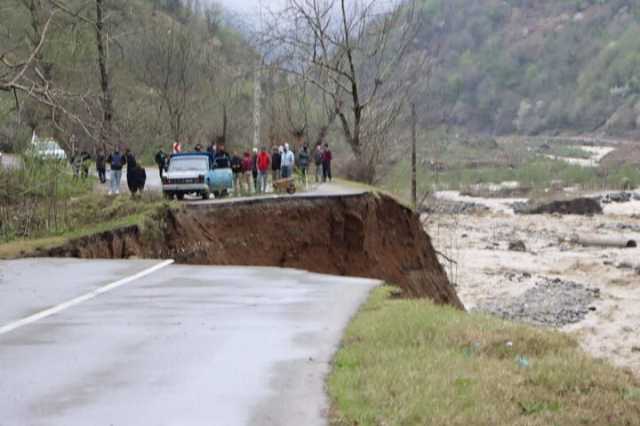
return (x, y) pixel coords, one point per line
(250, 8)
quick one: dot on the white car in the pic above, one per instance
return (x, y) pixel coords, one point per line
(50, 150)
(46, 148)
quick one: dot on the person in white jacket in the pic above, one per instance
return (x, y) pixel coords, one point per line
(288, 161)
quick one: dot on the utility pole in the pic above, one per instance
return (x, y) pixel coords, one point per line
(257, 105)
(414, 169)
(257, 92)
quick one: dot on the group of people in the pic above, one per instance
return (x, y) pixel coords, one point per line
(251, 170)
(117, 160)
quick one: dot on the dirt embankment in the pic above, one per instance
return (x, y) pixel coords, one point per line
(358, 235)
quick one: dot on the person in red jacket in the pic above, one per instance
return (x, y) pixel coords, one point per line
(264, 161)
(326, 163)
(247, 171)
(176, 148)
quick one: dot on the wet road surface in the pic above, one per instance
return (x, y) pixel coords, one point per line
(180, 346)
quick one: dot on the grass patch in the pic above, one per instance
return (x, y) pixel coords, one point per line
(409, 362)
(569, 152)
(91, 214)
(24, 247)
(536, 174)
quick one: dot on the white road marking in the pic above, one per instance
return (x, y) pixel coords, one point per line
(88, 296)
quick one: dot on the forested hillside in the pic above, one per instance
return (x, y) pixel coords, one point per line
(524, 66)
(172, 71)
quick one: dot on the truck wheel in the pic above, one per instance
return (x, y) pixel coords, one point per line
(216, 194)
(180, 196)
(205, 195)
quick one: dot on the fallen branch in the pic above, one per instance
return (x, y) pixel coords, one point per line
(590, 241)
(447, 258)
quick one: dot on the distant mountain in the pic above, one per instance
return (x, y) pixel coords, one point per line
(533, 66)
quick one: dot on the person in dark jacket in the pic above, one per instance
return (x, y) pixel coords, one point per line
(117, 161)
(236, 168)
(247, 168)
(327, 157)
(303, 163)
(101, 166)
(211, 150)
(136, 175)
(85, 164)
(222, 159)
(317, 159)
(276, 163)
(76, 164)
(254, 169)
(161, 161)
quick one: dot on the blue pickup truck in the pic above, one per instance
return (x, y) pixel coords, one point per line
(197, 173)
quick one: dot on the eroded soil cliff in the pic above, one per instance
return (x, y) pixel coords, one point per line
(363, 235)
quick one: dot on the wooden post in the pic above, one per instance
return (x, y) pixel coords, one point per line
(414, 178)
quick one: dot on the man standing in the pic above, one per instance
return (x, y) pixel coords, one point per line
(117, 161)
(327, 157)
(222, 159)
(211, 149)
(288, 161)
(236, 168)
(276, 163)
(254, 169)
(247, 167)
(263, 169)
(303, 163)
(317, 159)
(85, 165)
(161, 161)
(76, 164)
(136, 174)
(101, 166)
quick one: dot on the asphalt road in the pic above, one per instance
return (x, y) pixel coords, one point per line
(179, 346)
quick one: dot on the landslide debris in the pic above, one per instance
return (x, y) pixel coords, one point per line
(364, 235)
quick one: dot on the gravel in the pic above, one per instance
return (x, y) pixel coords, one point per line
(518, 245)
(616, 197)
(440, 206)
(549, 303)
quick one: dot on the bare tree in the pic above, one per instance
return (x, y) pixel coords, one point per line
(25, 75)
(350, 51)
(32, 77)
(170, 68)
(105, 77)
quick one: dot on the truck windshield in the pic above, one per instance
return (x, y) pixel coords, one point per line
(186, 164)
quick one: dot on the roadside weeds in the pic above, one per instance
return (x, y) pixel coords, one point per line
(411, 362)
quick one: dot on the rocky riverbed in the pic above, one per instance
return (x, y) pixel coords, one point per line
(525, 268)
(551, 302)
